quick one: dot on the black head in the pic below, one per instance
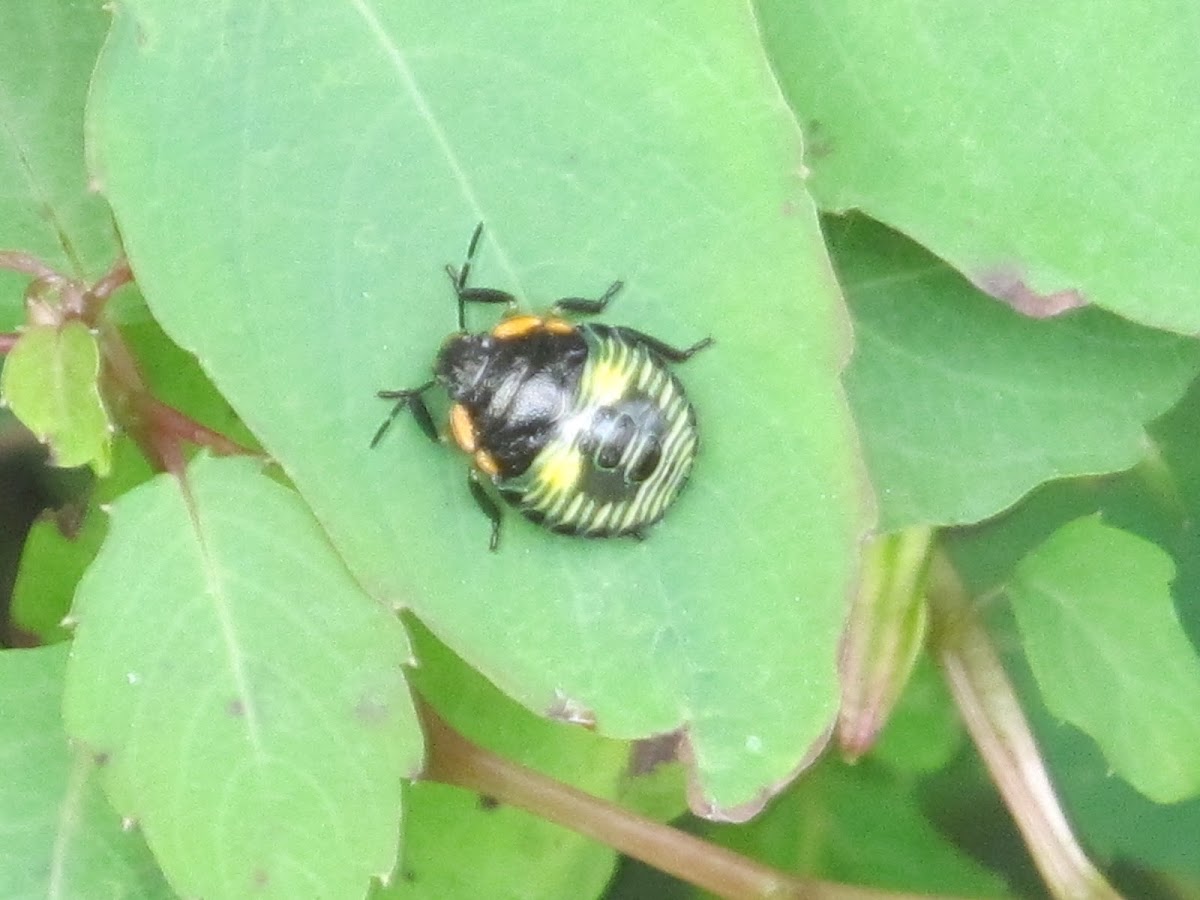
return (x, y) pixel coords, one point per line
(462, 363)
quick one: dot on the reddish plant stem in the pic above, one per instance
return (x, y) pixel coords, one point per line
(169, 420)
(116, 277)
(76, 299)
(159, 430)
(993, 716)
(132, 404)
(456, 761)
(27, 264)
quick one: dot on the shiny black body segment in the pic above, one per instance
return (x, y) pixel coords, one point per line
(516, 389)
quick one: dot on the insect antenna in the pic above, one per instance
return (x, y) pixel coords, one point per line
(459, 280)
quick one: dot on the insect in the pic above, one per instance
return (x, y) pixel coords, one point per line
(582, 427)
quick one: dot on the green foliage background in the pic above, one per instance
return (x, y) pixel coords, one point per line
(289, 182)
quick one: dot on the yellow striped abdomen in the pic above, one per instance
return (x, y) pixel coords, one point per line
(621, 453)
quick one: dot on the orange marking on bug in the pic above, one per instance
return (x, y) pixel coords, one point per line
(516, 326)
(555, 325)
(486, 463)
(462, 429)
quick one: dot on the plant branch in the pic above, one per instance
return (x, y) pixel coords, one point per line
(27, 264)
(993, 716)
(159, 430)
(454, 760)
(116, 277)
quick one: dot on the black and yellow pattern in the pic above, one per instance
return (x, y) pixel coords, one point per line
(623, 450)
(583, 428)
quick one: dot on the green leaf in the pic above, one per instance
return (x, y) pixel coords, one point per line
(47, 53)
(50, 380)
(51, 565)
(1113, 819)
(861, 825)
(458, 844)
(58, 551)
(61, 838)
(172, 375)
(245, 697)
(965, 405)
(291, 184)
(925, 730)
(1094, 607)
(1036, 148)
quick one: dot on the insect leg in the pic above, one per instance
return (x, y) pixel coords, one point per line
(666, 351)
(585, 307)
(481, 294)
(465, 295)
(460, 280)
(487, 506)
(411, 398)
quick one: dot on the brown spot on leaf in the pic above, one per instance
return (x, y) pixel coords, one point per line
(68, 519)
(487, 802)
(236, 708)
(1007, 285)
(653, 752)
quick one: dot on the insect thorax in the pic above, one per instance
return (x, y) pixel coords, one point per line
(517, 391)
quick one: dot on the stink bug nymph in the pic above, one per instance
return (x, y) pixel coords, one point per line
(581, 427)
